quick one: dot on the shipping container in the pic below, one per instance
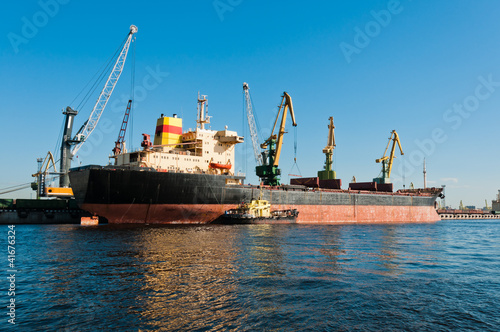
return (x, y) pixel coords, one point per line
(308, 182)
(370, 186)
(330, 184)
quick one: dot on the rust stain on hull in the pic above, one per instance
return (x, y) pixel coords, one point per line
(308, 214)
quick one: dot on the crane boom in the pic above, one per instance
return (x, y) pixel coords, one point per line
(119, 144)
(286, 103)
(105, 94)
(251, 123)
(330, 144)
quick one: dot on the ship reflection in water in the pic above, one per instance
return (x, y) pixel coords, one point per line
(259, 277)
(187, 280)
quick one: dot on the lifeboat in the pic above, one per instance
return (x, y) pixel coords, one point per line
(219, 166)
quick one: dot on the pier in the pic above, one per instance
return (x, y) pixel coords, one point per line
(448, 214)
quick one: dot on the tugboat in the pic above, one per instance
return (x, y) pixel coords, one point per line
(258, 211)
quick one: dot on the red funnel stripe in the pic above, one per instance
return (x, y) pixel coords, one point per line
(168, 129)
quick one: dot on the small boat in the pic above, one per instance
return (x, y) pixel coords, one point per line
(258, 211)
(89, 221)
(219, 166)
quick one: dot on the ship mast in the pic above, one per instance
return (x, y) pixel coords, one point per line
(203, 117)
(425, 176)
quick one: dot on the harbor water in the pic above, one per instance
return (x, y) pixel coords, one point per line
(443, 276)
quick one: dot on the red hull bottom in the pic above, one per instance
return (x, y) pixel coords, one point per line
(308, 214)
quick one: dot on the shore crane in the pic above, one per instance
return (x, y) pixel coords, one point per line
(71, 144)
(251, 123)
(269, 172)
(328, 173)
(42, 174)
(388, 160)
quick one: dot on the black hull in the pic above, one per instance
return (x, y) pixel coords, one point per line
(111, 191)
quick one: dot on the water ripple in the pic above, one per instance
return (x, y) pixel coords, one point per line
(421, 277)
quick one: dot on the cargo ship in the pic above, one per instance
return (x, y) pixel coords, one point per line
(189, 178)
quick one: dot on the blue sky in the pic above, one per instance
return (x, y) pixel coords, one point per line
(430, 70)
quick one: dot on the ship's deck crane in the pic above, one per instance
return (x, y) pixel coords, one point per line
(120, 142)
(269, 172)
(388, 160)
(70, 145)
(251, 123)
(328, 173)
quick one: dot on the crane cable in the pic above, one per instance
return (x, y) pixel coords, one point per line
(100, 74)
(404, 172)
(132, 97)
(14, 188)
(257, 124)
(97, 82)
(22, 186)
(295, 154)
(25, 186)
(295, 144)
(244, 133)
(59, 140)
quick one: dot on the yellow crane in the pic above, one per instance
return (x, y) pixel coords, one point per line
(40, 187)
(328, 173)
(388, 160)
(269, 172)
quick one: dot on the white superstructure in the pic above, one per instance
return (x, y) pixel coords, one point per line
(196, 151)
